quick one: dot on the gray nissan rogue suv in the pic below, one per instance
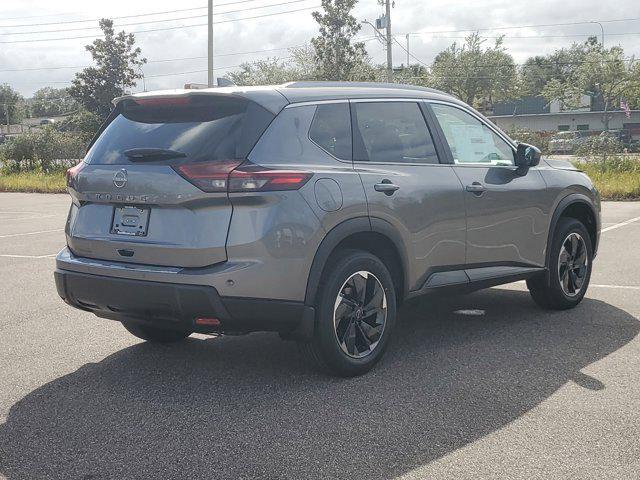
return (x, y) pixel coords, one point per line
(313, 209)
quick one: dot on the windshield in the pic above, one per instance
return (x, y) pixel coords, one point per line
(202, 128)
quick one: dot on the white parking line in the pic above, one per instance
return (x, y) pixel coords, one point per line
(31, 233)
(623, 287)
(621, 224)
(7, 255)
(523, 284)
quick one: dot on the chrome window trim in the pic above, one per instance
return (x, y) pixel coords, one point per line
(315, 102)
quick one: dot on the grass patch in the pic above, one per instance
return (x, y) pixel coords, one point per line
(33, 182)
(616, 178)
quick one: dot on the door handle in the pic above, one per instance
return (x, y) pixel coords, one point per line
(386, 187)
(476, 187)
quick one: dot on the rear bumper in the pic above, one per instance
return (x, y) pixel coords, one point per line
(178, 305)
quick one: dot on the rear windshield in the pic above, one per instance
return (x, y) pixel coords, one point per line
(203, 128)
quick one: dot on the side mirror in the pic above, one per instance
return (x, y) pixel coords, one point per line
(527, 156)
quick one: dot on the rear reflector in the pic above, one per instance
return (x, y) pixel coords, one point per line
(208, 322)
(231, 176)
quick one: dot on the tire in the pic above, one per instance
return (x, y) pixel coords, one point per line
(560, 294)
(354, 341)
(156, 334)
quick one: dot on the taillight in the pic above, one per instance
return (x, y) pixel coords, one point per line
(231, 176)
(253, 178)
(208, 176)
(72, 174)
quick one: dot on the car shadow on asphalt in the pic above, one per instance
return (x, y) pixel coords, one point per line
(247, 407)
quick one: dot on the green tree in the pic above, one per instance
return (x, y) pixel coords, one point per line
(604, 74)
(273, 71)
(118, 66)
(474, 73)
(12, 105)
(336, 57)
(559, 65)
(414, 74)
(82, 123)
(51, 102)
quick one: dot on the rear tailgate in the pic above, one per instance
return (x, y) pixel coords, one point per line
(139, 209)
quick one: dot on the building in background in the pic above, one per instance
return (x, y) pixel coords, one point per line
(535, 114)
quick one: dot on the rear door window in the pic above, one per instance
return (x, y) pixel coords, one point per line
(331, 129)
(392, 132)
(202, 127)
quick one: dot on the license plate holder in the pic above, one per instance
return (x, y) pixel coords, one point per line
(130, 220)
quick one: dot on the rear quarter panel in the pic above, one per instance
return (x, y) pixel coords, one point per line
(283, 230)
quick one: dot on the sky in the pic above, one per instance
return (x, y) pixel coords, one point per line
(175, 43)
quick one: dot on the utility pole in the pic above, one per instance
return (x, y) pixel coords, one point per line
(387, 4)
(210, 78)
(6, 116)
(407, 50)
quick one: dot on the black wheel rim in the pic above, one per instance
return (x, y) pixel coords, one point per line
(573, 263)
(360, 314)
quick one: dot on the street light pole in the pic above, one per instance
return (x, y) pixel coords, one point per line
(210, 79)
(601, 29)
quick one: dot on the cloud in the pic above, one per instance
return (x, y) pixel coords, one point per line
(287, 30)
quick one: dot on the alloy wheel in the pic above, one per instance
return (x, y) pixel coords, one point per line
(573, 263)
(360, 314)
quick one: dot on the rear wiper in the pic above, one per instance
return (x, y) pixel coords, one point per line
(142, 154)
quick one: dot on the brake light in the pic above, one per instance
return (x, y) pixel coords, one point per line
(162, 101)
(231, 176)
(72, 174)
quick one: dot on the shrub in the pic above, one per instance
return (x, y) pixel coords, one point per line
(537, 139)
(82, 123)
(600, 146)
(46, 151)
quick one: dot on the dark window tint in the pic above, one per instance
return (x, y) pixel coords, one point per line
(392, 132)
(202, 127)
(331, 129)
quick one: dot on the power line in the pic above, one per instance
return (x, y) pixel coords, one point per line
(164, 60)
(154, 21)
(205, 70)
(120, 17)
(564, 24)
(513, 37)
(166, 74)
(163, 29)
(409, 53)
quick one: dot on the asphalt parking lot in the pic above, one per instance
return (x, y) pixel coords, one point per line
(515, 392)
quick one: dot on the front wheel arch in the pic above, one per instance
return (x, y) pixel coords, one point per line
(580, 207)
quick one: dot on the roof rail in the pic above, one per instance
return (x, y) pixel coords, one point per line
(337, 84)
